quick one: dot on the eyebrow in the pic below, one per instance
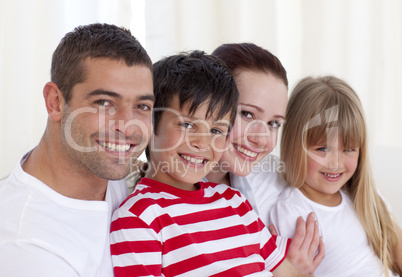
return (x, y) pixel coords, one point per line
(224, 124)
(216, 122)
(261, 110)
(97, 92)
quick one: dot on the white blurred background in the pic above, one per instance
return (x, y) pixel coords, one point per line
(359, 41)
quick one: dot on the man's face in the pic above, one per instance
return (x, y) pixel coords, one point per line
(107, 123)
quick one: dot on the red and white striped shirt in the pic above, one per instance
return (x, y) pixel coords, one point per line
(161, 230)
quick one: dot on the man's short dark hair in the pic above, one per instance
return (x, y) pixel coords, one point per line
(93, 41)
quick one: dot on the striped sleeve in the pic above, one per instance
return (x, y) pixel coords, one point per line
(135, 246)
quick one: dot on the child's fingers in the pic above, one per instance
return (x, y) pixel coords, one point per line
(321, 254)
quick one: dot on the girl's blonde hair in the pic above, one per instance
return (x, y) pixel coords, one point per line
(317, 107)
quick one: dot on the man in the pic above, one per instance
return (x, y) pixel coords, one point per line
(56, 205)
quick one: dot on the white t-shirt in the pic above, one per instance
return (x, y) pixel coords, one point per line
(262, 186)
(43, 233)
(347, 250)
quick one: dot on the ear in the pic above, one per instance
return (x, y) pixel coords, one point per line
(54, 101)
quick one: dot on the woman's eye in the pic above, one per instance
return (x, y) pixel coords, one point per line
(274, 124)
(350, 150)
(247, 115)
(322, 149)
(102, 102)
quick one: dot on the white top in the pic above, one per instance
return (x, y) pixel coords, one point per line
(347, 251)
(43, 233)
(262, 186)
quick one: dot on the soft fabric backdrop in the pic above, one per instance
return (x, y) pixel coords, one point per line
(357, 40)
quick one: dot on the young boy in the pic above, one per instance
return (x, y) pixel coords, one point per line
(172, 224)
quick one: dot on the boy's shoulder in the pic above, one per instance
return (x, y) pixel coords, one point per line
(221, 188)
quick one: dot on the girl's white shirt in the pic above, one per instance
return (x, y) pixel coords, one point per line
(347, 250)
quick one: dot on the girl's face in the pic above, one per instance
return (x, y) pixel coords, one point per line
(329, 166)
(261, 111)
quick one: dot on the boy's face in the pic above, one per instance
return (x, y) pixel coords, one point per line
(186, 147)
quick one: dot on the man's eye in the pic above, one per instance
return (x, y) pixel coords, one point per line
(102, 102)
(274, 124)
(144, 107)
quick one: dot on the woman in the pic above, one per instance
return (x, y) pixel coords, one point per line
(262, 83)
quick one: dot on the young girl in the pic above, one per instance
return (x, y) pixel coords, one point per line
(324, 147)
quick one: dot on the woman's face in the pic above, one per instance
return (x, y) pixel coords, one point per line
(261, 111)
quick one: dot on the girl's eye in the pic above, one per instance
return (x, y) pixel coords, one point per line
(144, 107)
(350, 150)
(274, 124)
(187, 125)
(247, 115)
(103, 102)
(322, 149)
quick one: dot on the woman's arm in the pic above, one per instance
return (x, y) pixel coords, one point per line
(302, 258)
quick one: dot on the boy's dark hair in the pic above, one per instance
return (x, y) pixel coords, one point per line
(93, 41)
(195, 78)
(248, 56)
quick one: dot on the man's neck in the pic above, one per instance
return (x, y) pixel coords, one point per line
(63, 176)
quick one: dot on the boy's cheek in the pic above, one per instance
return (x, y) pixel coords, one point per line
(220, 145)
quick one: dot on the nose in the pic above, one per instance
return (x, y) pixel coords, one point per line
(124, 122)
(259, 135)
(200, 141)
(334, 160)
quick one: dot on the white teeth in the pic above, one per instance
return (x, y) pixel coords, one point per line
(245, 151)
(192, 159)
(332, 175)
(115, 147)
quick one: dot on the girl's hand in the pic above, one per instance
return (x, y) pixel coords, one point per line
(306, 250)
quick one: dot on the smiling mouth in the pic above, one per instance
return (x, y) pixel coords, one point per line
(246, 152)
(331, 175)
(193, 160)
(115, 147)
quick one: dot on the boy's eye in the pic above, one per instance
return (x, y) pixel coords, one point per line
(216, 131)
(247, 115)
(274, 124)
(187, 125)
(103, 102)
